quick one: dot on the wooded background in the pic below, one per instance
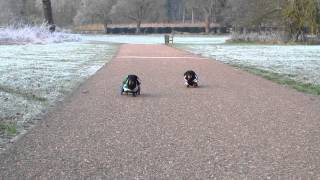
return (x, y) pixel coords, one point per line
(294, 16)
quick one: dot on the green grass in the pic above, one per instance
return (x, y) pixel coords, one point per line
(282, 79)
(8, 128)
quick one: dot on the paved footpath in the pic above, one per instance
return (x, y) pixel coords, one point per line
(234, 126)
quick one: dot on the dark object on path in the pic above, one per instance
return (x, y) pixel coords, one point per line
(191, 79)
(131, 84)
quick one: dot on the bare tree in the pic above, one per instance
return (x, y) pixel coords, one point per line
(6, 12)
(250, 13)
(238, 13)
(47, 10)
(16, 11)
(137, 10)
(94, 11)
(65, 10)
(174, 9)
(208, 8)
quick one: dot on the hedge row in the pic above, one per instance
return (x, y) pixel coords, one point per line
(164, 30)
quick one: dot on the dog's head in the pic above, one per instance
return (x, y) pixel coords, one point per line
(132, 84)
(132, 81)
(189, 74)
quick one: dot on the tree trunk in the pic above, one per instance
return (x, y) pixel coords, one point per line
(207, 23)
(47, 10)
(192, 15)
(297, 37)
(184, 16)
(303, 36)
(138, 27)
(23, 17)
(179, 18)
(214, 12)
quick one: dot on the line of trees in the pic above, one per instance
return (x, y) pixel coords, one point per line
(78, 12)
(294, 16)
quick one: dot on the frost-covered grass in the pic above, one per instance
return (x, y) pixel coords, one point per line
(34, 77)
(272, 37)
(8, 129)
(300, 63)
(283, 79)
(27, 34)
(157, 39)
(262, 37)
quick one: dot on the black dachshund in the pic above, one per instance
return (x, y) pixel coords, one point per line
(131, 84)
(191, 79)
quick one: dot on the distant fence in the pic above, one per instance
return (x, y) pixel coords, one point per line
(151, 28)
(165, 30)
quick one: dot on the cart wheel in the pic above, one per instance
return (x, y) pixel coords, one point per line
(138, 92)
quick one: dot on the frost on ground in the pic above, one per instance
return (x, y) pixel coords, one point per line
(157, 39)
(266, 37)
(33, 77)
(302, 63)
(26, 34)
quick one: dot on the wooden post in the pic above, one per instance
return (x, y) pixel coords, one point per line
(171, 40)
(166, 39)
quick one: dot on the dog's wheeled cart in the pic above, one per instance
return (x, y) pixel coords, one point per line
(127, 91)
(131, 85)
(194, 83)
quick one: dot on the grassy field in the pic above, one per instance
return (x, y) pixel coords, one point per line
(34, 77)
(282, 79)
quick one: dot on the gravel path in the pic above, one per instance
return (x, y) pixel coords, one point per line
(235, 125)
